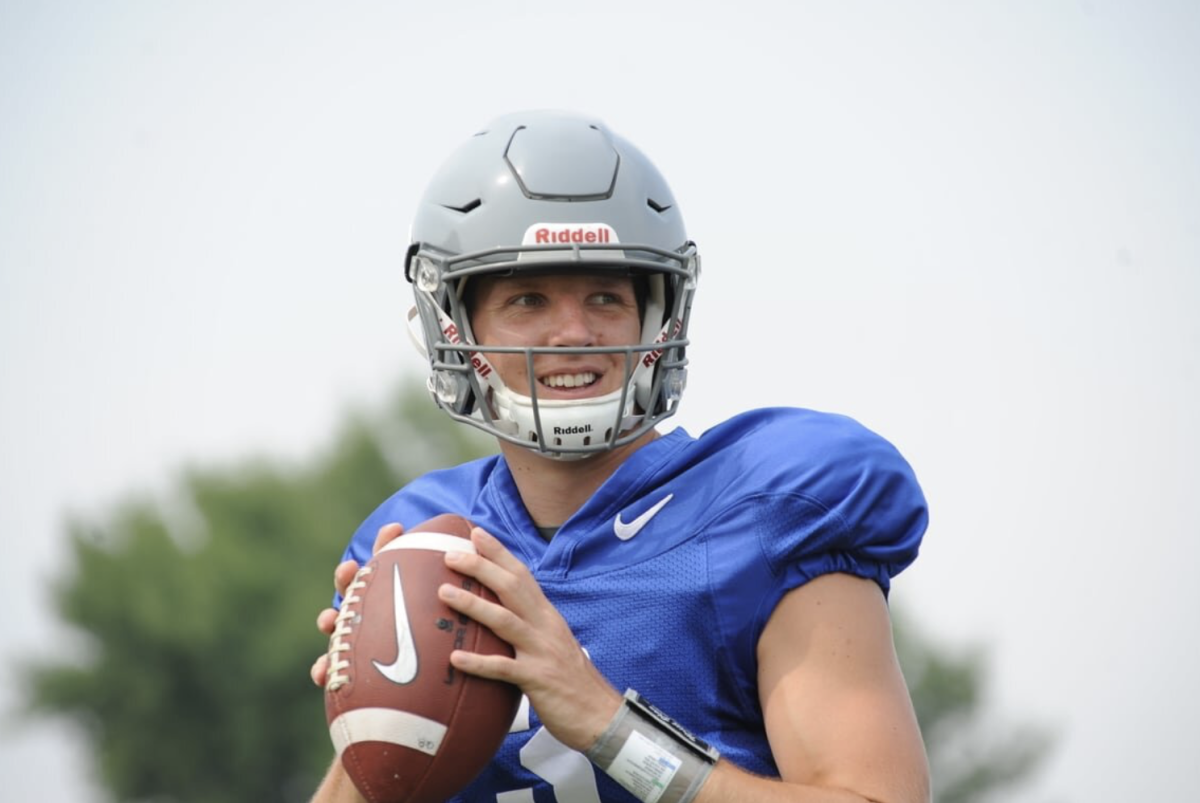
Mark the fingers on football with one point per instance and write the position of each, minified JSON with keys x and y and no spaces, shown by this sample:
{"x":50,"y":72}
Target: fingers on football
{"x":489,"y":546}
{"x":496,"y":667}
{"x":388,"y":532}
{"x":320,"y":670}
{"x":326,"y":620}
{"x":496,"y":617}
{"x":498,"y":569}
{"x":343,"y":574}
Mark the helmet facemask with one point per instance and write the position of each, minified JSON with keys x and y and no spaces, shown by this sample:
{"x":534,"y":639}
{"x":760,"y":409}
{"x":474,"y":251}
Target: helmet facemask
{"x":465,"y":383}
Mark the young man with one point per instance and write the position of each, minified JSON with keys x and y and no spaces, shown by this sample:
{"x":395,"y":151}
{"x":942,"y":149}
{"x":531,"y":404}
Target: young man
{"x":736,"y":580}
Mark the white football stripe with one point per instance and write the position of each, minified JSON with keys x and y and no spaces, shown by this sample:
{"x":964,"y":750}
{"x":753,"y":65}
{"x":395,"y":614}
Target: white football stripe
{"x":438,"y":542}
{"x":386,"y":725}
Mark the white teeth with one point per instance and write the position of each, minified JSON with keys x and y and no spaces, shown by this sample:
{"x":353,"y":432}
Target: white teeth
{"x":569,"y":380}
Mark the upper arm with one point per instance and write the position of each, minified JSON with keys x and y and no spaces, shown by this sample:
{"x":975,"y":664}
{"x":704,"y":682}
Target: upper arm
{"x":837,"y":710}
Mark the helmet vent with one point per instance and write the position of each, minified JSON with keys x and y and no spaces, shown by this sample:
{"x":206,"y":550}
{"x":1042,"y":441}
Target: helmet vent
{"x":656,"y":206}
{"x":469,"y":206}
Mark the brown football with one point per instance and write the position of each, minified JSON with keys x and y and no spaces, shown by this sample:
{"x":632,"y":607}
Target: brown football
{"x":410,"y":728}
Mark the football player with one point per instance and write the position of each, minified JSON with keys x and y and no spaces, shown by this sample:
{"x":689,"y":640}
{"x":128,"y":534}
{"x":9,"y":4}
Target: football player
{"x":694,"y":618}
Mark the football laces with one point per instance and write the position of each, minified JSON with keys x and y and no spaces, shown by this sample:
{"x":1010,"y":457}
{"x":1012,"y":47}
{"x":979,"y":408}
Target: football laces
{"x":337,"y":674}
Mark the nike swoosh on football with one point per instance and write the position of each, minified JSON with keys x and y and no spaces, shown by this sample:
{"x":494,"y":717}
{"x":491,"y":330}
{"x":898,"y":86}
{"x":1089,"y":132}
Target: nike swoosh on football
{"x":626,"y":531}
{"x":404,"y":669}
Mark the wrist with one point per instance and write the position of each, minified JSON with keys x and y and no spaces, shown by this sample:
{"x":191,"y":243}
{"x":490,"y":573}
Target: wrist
{"x":651,"y":755}
{"x":599,"y":723}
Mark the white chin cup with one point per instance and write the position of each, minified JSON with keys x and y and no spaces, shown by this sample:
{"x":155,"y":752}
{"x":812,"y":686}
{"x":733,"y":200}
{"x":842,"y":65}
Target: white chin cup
{"x":566,"y":423}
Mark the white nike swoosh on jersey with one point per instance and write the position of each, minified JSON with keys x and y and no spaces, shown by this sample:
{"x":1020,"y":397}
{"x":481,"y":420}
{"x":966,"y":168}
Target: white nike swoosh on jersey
{"x":404,"y":669}
{"x":626,"y":531}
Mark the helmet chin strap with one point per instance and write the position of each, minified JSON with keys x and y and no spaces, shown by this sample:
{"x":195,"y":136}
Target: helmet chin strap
{"x":566,"y":424}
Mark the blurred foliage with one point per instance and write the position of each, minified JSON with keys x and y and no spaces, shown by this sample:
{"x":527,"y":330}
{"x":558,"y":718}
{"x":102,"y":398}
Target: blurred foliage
{"x":199,"y":617}
{"x":199,"y":613}
{"x":973,"y":757}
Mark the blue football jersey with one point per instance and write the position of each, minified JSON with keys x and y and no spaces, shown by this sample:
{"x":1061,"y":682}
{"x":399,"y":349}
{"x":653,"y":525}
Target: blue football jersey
{"x":669,"y":573}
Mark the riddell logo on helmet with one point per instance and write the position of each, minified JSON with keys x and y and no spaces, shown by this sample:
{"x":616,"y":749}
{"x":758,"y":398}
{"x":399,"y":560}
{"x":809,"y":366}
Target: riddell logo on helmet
{"x":481,"y":365}
{"x":569,"y":234}
{"x":652,"y":357}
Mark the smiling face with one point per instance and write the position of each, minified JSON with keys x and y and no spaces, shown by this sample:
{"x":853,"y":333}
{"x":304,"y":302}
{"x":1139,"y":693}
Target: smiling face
{"x":564,"y":311}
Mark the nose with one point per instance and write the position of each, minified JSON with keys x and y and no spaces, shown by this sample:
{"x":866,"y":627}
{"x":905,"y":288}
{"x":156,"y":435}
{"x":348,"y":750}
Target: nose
{"x":571,"y":324}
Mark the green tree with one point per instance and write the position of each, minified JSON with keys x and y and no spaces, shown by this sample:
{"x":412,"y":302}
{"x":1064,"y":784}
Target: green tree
{"x":972,"y":757}
{"x":198,"y":614}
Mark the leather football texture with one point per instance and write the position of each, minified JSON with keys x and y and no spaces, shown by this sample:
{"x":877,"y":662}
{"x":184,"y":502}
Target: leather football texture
{"x":407,"y":726}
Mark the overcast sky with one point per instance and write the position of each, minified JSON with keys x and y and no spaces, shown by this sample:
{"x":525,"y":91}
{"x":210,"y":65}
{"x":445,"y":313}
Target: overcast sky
{"x":974,"y":226}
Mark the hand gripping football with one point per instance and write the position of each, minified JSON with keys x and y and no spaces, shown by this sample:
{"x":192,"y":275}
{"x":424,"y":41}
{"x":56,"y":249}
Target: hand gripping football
{"x":410,"y":728}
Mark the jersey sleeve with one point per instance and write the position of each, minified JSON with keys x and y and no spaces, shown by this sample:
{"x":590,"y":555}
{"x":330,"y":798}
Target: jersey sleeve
{"x":862,"y":512}
{"x":822,"y":494}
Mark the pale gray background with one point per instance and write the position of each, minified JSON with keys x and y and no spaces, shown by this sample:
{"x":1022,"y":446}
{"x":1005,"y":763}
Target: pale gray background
{"x":975,"y":226}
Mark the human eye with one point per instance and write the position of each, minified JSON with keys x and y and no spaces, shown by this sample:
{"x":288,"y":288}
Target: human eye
{"x":610,"y":298}
{"x":526,"y":300}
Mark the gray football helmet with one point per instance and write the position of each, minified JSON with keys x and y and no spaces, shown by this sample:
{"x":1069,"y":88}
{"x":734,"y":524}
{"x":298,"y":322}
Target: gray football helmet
{"x":551,"y":192}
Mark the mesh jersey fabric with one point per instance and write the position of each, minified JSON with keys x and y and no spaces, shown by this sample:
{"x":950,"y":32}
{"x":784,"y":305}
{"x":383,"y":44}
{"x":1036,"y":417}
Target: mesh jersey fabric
{"x":756,"y":507}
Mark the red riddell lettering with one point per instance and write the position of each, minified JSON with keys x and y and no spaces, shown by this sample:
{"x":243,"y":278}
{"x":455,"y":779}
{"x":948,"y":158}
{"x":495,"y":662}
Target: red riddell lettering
{"x":652,"y":356}
{"x":548,"y":236}
{"x":481,"y":367}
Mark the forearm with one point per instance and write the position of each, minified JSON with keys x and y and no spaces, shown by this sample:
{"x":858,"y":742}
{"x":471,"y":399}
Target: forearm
{"x":337,"y":787}
{"x":645,"y":750}
{"x":728,"y":783}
